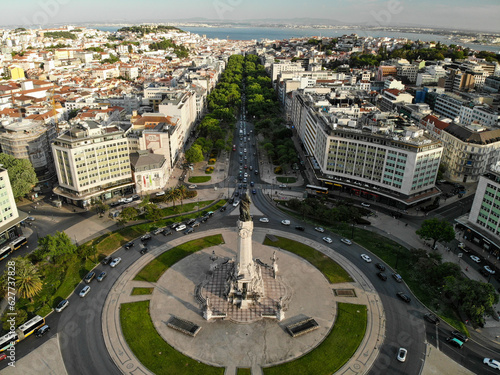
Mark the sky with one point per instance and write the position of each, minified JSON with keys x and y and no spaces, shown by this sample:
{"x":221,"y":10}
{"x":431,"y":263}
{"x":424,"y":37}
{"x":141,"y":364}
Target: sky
{"x":456,"y":14}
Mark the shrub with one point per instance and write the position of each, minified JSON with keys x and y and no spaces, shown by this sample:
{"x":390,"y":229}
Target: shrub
{"x":211,"y":161}
{"x":278,"y":170}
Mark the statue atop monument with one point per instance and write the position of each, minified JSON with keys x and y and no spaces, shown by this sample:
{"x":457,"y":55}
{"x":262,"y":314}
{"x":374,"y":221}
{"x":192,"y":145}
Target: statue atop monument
{"x":245,"y":208}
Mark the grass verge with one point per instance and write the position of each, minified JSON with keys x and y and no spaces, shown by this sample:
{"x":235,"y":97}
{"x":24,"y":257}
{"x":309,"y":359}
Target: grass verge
{"x":243,"y":371}
{"x":141,"y":291}
{"x":331,"y":269}
{"x":150,"y":348}
{"x":199,"y":179}
{"x":154,"y":269}
{"x":335,"y":350}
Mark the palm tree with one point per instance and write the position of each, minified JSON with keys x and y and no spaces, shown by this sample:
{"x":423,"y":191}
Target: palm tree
{"x":28,"y":282}
{"x":182,"y":192}
{"x":170,"y":196}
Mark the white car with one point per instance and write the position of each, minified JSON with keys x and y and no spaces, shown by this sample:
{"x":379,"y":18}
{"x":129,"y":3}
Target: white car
{"x":285,"y":222}
{"x":475,"y":259}
{"x":402,"y":354}
{"x":84,"y":291}
{"x":327,"y":239}
{"x":492,"y":363}
{"x":282,"y":186}
{"x":127,"y":200}
{"x":160,"y":193}
{"x":366,"y":258}
{"x":193,"y":186}
{"x":180,"y":227}
{"x":264,"y":220}
{"x":346,"y":241}
{"x":487,"y":268}
{"x":365,"y":204}
{"x":236,"y":203}
{"x":319,"y":229}
{"x":115,"y":262}
{"x":62,"y":305}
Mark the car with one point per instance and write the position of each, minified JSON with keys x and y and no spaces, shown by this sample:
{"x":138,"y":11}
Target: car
{"x":127,"y":200}
{"x":190,"y":221}
{"x":223,"y":208}
{"x":492,"y":363}
{"x":236,"y":203}
{"x":487,"y":268}
{"x":365,"y":204}
{"x":381,"y":267}
{"x":180,"y":227}
{"x":101,"y":276}
{"x":160,"y":193}
{"x":252,"y":184}
{"x":236,"y":193}
{"x":175,"y":225}
{"x":346,"y":241}
{"x":283,"y":186}
{"x":402,"y":354}
{"x":231,"y":200}
{"x":483,"y":272}
{"x":319,"y":229}
{"x":106,"y":261}
{"x":475,"y":258}
{"x":203,"y":219}
{"x":210,"y":213}
{"x":404,"y":297}
{"x":366,"y":258}
{"x":90,"y":276}
{"x":158,"y":231}
{"x":459,"y":335}
{"x":42,"y":330}
{"x":189,"y":230}
{"x":461,"y":245}
{"x":397,"y":277}
{"x":245,"y":174}
{"x":245,"y":179}
{"x":195,"y":224}
{"x":30,"y":218}
{"x":193,"y":186}
{"x":285,"y":222}
{"x":254,"y":191}
{"x":431,"y":318}
{"x":382,"y":276}
{"x":327,"y":239}
{"x":167,"y":232}
{"x":299,"y":227}
{"x":264,"y":220}
{"x":256,"y":171}
{"x":135,"y":197}
{"x":115,"y":262}
{"x":250,"y":167}
{"x":146,"y":237}
{"x":114,"y":204}
{"x":144,"y":250}
{"x":128,"y":245}
{"x":121,"y":200}
{"x":455,"y":342}
{"x":62,"y":305}
{"x":84,"y":291}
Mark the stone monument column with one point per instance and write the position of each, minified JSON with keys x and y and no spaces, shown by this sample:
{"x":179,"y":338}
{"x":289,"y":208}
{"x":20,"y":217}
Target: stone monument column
{"x":244,"y":259}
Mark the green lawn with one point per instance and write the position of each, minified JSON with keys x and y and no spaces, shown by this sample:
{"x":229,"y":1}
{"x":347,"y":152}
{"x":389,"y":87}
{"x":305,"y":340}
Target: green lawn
{"x":338,"y":347}
{"x":141,"y":291}
{"x":150,"y":348}
{"x":199,"y":179}
{"x":331,"y":269}
{"x":154,"y":269}
{"x":243,"y":371}
{"x":286,"y":180}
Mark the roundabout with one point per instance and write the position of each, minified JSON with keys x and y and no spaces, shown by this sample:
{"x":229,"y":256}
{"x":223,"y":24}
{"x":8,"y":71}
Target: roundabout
{"x":254,"y":344}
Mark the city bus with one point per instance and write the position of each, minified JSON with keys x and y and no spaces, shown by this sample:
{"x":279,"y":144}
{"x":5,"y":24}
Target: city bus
{"x":317,"y":189}
{"x":18,"y":242}
{"x":7,"y":339}
{"x":5,"y":251}
{"x":26,"y":329}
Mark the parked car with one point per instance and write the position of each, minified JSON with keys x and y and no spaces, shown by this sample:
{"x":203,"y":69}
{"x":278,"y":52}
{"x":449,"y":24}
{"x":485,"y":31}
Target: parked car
{"x":397,"y":277}
{"x":189,"y":230}
{"x":101,"y":276}
{"x":195,"y":224}
{"x":175,"y":225}
{"x":62,"y":305}
{"x":158,"y":231}
{"x":167,"y":232}
{"x":42,"y":330}
{"x":404,"y":297}
{"x":135,"y":197}
{"x":346,"y":241}
{"x":84,"y":291}
{"x":327,"y":239}
{"x":106,"y":260}
{"x":223,"y":208}
{"x":180,"y":227}
{"x":489,"y":270}
{"x":475,"y":258}
{"x":160,"y":193}
{"x":365,"y":204}
{"x":146,"y":237}
{"x":319,"y":229}
{"x":115,"y":262}
{"x":431,"y":318}
{"x":381,"y":267}
{"x":402,"y":352}
{"x":382,"y":276}
{"x":193,"y":186}
{"x":90,"y":276}
{"x":128,"y":245}
{"x":144,"y":250}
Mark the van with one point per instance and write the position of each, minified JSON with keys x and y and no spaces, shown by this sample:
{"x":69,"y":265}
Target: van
{"x":455,"y":342}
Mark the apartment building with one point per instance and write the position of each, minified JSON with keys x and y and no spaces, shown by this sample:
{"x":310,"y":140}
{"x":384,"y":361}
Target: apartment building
{"x":391,"y":98}
{"x":10,"y":217}
{"x":482,"y":115}
{"x":449,"y":105}
{"x":378,"y":157}
{"x":92,"y":163}
{"x":284,"y":66}
{"x":150,"y":171}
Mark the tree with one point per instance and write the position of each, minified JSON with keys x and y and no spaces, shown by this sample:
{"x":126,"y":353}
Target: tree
{"x":20,"y":316}
{"x":128,"y":214}
{"x":57,"y":247}
{"x":28,"y":282}
{"x":194,"y":154}
{"x":22,"y":176}
{"x":436,"y":230}
{"x":153,"y":212}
